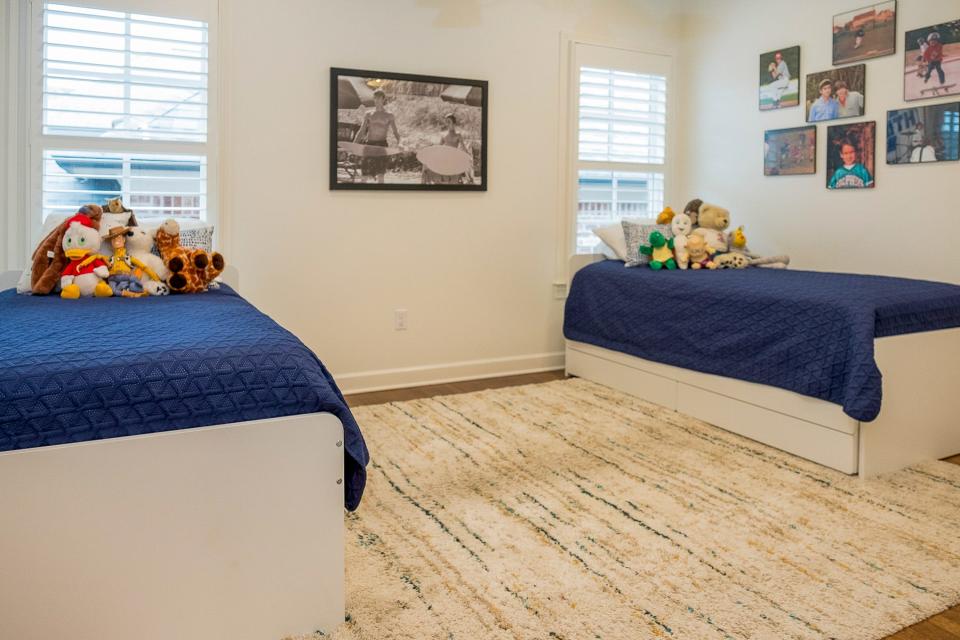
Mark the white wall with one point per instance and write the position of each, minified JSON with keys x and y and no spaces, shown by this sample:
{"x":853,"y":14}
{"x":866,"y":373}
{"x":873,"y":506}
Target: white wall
{"x":899,"y":228}
{"x":473,"y":269}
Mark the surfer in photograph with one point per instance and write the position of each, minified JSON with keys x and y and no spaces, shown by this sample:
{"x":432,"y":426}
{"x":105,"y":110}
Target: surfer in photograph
{"x":450,"y":138}
{"x":374,"y":130}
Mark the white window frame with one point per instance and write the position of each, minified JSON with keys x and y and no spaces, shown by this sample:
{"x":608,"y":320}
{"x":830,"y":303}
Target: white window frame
{"x":204,"y":10}
{"x":576,"y":54}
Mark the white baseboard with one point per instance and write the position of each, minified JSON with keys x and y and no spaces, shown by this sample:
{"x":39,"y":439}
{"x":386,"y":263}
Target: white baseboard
{"x":365,"y":381}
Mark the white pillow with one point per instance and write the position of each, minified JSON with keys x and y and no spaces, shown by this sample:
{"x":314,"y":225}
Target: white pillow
{"x":614,"y":242}
{"x":51,"y":223}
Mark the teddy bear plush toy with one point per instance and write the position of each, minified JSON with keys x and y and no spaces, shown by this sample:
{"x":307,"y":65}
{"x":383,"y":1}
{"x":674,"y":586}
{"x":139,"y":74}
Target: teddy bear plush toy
{"x":713,"y":222}
{"x":191,"y":270}
{"x":660,"y":251}
{"x":139,"y":246}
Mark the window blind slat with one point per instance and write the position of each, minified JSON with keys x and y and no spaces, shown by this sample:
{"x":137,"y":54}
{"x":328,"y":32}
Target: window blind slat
{"x":622,"y":116}
{"x":157,"y":89}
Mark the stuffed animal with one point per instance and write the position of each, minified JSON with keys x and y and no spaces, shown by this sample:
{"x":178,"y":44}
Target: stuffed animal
{"x":738,"y":240}
{"x":682,"y":226}
{"x":699,"y":253}
{"x":660,"y":251}
{"x":139,"y":245}
{"x":114,"y":215}
{"x":713,"y":222}
{"x":127,"y":272}
{"x":666,"y":216}
{"x":82,"y":276}
{"x":49,"y":259}
{"x":192,"y":270}
{"x":732,"y":260}
{"x":693,"y":210}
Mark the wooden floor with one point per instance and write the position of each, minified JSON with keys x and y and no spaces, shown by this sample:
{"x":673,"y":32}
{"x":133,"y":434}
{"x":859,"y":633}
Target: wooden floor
{"x":945,"y":626}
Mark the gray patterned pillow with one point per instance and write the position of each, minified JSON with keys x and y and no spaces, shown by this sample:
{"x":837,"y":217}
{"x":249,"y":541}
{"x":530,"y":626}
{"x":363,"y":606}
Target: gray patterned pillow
{"x":639,"y":234}
{"x":193,"y":238}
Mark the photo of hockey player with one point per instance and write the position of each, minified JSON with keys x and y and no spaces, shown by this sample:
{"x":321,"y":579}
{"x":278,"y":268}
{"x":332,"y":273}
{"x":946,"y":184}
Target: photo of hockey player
{"x":780,"y":79}
{"x":851,"y":156}
{"x":924,"y":134}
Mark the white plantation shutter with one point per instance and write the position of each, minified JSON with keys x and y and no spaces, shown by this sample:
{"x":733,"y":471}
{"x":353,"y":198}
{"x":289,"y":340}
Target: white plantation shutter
{"x":621,"y":137}
{"x":623,"y":116}
{"x":123,"y":111}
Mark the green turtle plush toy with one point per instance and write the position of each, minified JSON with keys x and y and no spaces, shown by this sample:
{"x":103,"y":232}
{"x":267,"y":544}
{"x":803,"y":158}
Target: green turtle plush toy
{"x":660,"y":251}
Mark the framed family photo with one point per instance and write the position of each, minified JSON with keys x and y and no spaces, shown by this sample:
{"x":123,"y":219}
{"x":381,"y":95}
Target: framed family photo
{"x":868,"y":32}
{"x":851,"y":156}
{"x":923,"y":134}
{"x":398,"y":131}
{"x":790,"y":152}
{"x":931,"y":66}
{"x":780,"y":79}
{"x":837,"y":93}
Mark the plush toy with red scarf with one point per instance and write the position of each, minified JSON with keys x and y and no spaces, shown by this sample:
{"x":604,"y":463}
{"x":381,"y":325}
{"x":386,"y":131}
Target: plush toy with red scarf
{"x":80,"y":239}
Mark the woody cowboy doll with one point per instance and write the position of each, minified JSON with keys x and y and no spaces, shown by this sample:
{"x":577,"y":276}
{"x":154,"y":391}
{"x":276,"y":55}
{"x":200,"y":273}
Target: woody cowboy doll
{"x":125,"y":270}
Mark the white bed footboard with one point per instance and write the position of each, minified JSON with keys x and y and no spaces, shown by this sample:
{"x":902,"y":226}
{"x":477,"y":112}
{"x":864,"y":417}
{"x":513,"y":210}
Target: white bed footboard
{"x":227,"y":532}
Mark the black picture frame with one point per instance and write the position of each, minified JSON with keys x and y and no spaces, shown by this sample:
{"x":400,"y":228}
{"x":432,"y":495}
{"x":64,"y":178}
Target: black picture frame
{"x":347,"y":169}
{"x":889,"y":29}
{"x":810,"y":150}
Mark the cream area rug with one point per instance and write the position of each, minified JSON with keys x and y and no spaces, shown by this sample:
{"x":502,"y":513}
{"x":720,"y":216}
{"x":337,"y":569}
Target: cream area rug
{"x":568,"y":510}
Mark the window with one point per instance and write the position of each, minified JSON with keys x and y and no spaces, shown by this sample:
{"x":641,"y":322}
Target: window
{"x":123,"y":112}
{"x":620,"y":159}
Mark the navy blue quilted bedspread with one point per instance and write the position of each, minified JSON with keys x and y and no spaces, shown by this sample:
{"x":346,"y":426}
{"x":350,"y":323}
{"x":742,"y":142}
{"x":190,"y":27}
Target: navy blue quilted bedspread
{"x":805,"y":331}
{"x":72,"y":371}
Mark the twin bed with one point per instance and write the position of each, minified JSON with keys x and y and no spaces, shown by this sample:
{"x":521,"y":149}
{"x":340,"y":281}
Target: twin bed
{"x":178,"y":467}
{"x":169,"y":468}
{"x":858,"y":373}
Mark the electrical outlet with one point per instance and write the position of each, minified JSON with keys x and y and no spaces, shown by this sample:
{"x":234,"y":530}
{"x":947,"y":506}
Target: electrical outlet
{"x":559,"y":290}
{"x":400,"y":319}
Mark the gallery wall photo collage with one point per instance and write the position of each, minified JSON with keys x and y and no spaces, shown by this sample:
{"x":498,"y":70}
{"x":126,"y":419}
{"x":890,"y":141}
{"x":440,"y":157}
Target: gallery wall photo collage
{"x":915,"y":133}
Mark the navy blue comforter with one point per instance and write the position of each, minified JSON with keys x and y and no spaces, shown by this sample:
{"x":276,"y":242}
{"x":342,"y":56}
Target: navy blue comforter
{"x":88,"y":369}
{"x":805,"y":331}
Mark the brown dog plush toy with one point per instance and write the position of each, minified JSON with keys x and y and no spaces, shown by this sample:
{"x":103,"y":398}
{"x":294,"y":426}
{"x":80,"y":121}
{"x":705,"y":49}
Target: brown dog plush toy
{"x":49,"y":259}
{"x":191,"y":270}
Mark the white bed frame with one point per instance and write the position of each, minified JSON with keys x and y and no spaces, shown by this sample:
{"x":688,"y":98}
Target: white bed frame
{"x":919,"y":419}
{"x":230,"y":532}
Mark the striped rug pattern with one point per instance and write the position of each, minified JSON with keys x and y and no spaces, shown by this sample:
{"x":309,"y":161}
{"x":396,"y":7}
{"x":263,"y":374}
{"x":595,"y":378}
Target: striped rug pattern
{"x":567,"y":510}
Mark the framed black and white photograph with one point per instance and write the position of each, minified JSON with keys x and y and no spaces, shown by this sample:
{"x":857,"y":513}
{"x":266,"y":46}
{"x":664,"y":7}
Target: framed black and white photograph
{"x":790,"y":152}
{"x":864,"y":33}
{"x":397,"y":131}
{"x":924,"y":134}
{"x":780,"y":78}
